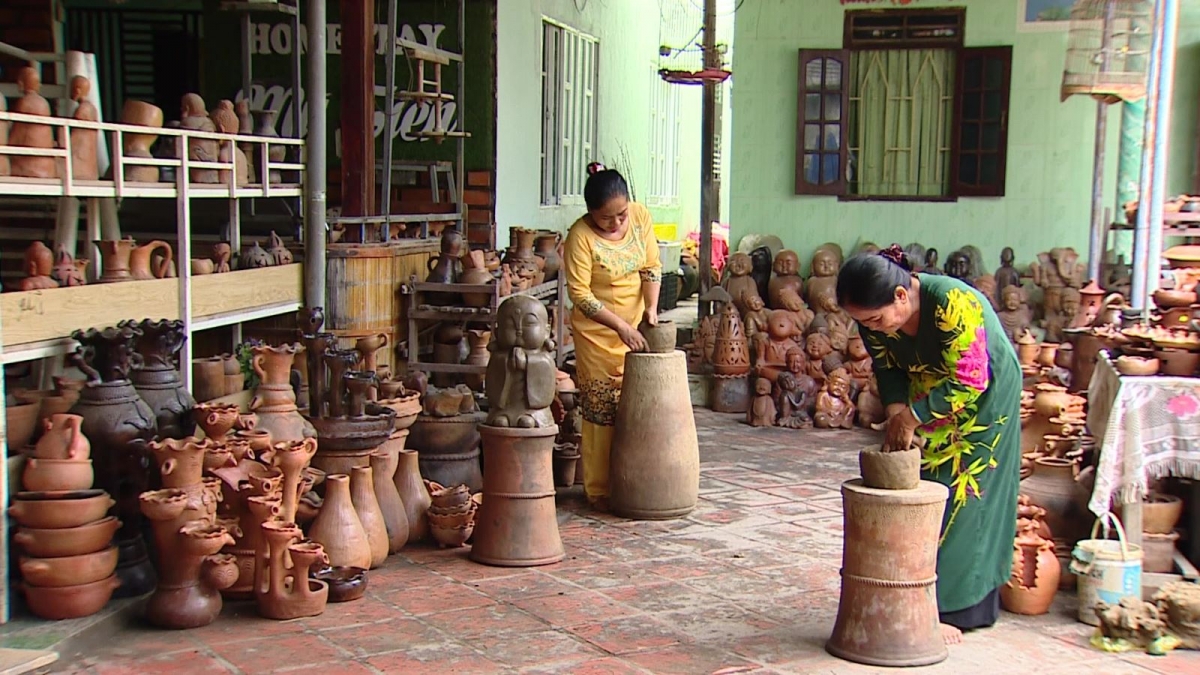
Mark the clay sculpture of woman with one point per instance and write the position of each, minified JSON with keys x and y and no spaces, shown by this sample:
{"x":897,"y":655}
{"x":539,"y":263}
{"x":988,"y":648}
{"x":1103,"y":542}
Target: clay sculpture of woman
{"x":802,"y":316}
{"x":794,"y":393}
{"x":84,"y":165}
{"x":787,"y":275}
{"x":762,"y":408}
{"x":835,"y":409}
{"x":1014,"y":314}
{"x":28,"y":135}
{"x":193,"y":116}
{"x":825,"y":264}
{"x":756,"y":321}
{"x":739,"y":284}
{"x":521,"y":372}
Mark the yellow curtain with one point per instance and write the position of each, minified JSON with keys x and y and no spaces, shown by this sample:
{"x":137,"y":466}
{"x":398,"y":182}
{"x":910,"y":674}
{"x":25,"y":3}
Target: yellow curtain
{"x":901,"y":109}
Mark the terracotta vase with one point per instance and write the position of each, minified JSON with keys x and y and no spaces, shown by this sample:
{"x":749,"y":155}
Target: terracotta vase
{"x":546,"y":248}
{"x":521,"y":239}
{"x":151,"y":261}
{"x":114,"y":260}
{"x":384,"y":463}
{"x":1027,"y":349}
{"x":157,"y":378}
{"x":413,"y":494}
{"x":275,"y":401}
{"x":477,"y":355}
{"x":1046,"y":354}
{"x":362,"y":495}
{"x":1052,"y":486}
{"x":140,"y":113}
{"x":338,"y":529}
{"x":284,"y":591}
{"x":1035,"y":575}
{"x":117,"y":423}
{"x":62,"y":438}
{"x":475,"y":271}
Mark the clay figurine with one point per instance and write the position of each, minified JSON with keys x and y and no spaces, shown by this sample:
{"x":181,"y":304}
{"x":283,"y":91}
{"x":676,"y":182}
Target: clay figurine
{"x":1014,"y":314}
{"x":837,"y":321}
{"x":802,"y":316}
{"x":772,"y":350}
{"x":1058,"y":268}
{"x":787,"y":275}
{"x":84,"y":165}
{"x":871,"y":414}
{"x":795,"y":393}
{"x":28,"y":135}
{"x":140,"y":113}
{"x":226,"y":122}
{"x":278,"y":252}
{"x":931,"y":262}
{"x":193,"y":116}
{"x":761,"y":259}
{"x":1061,"y":313}
{"x":68,"y":271}
{"x":858,"y":365}
{"x":756,"y":321}
{"x":521,"y":372}
{"x":958,"y":266}
{"x":253,"y":257}
{"x":39,"y":262}
{"x":762,"y":408}
{"x":975,"y":256}
{"x":825,"y":265}
{"x":1007,"y":275}
{"x":221,"y":254}
{"x":834,"y":408}
{"x":817,"y":347}
{"x":246,"y":128}
{"x":739,"y":284}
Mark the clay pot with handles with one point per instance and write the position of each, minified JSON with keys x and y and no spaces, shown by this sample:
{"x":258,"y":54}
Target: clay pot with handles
{"x":62,"y":438}
{"x":152,"y":261}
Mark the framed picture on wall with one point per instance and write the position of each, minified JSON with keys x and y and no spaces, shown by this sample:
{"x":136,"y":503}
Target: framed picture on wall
{"x":1044,"y":15}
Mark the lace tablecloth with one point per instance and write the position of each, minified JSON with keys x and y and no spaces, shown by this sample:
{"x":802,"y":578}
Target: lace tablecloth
{"x":1146,"y":428}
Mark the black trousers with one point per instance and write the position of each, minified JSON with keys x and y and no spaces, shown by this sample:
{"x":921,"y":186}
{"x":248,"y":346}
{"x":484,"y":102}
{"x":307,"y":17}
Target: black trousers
{"x":981,"y":615}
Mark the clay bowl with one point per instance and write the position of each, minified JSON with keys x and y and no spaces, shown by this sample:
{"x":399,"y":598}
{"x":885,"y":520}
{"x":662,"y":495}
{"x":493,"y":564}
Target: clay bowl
{"x":454,"y":520}
{"x":1181,"y":257}
{"x":69,"y":571}
{"x":1177,"y":362}
{"x":345,"y":583}
{"x":59,"y":543}
{"x":449,"y":497}
{"x":53,"y":511}
{"x":1166,"y":298}
{"x":21,"y":423}
{"x":890,"y":470}
{"x":660,"y":338}
{"x":1160,"y":513}
{"x":43,"y":475}
{"x":70,"y":602}
{"x":452,"y":511}
{"x":1136,"y":365}
{"x":451,"y":537}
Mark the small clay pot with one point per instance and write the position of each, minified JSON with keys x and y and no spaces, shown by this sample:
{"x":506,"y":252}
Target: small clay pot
{"x":1177,"y":362}
{"x":1158,"y":552}
{"x":59,"y":543}
{"x":70,"y":602}
{"x":899,"y":470}
{"x":21,"y":423}
{"x":660,"y":338}
{"x":1160,"y":513}
{"x":54,"y":511}
{"x":202,"y":266}
{"x":451,"y":537}
{"x":50,"y":475}
{"x":69,"y":571}
{"x":453,"y":521}
{"x":345,"y":583}
{"x":1136,"y":366}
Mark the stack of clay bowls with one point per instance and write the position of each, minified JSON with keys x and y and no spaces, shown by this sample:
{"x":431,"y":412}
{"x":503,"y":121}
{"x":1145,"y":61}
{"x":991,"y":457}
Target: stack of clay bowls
{"x":452,"y":514}
{"x":65,"y":532}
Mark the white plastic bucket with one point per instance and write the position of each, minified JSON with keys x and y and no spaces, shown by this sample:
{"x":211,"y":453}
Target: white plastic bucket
{"x":1108,"y":570}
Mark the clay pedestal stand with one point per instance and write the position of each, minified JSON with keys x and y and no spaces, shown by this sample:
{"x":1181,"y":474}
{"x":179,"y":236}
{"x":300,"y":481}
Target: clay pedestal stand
{"x":887,"y":614}
{"x":516,"y":525}
{"x":729,"y":393}
{"x":654,"y":468}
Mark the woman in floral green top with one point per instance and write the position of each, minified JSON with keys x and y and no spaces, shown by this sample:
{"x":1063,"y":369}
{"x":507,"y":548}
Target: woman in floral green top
{"x":947,"y":372}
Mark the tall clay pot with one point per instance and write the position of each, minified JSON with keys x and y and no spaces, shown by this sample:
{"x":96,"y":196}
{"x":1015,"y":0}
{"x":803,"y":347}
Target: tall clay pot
{"x":413,"y":494}
{"x":114,"y":260}
{"x":522,"y":240}
{"x":477,"y":355}
{"x":337,"y":527}
{"x":362,"y":495}
{"x":1035,"y":574}
{"x":546,"y":248}
{"x":384,"y":463}
{"x":275,"y":400}
{"x":118,"y":423}
{"x":1052,"y":486}
{"x":157,"y":379}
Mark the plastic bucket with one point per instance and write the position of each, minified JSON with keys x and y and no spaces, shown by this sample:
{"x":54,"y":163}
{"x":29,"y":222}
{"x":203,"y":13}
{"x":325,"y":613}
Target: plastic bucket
{"x":1108,"y":570}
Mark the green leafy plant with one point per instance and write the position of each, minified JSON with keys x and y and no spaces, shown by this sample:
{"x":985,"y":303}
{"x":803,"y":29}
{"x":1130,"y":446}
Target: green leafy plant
{"x":245,"y":357}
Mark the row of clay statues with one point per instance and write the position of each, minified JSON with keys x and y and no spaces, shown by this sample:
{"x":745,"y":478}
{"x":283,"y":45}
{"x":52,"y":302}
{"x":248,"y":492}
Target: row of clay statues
{"x":227,"y":118}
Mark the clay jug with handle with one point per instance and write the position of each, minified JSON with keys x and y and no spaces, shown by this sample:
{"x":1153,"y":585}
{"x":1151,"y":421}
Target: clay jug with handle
{"x":151,"y":261}
{"x":62,"y":438}
{"x":362,"y":496}
{"x":337,"y":527}
{"x":383,"y":473}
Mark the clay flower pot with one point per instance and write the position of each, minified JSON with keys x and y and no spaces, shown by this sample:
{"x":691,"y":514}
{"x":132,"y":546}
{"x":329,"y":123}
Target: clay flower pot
{"x":1160,"y":513}
{"x":1035,"y":575}
{"x":70,"y":602}
{"x":59,"y":543}
{"x":54,"y":511}
{"x":50,"y":475}
{"x":345,"y":583}
{"x":660,"y":338}
{"x":70,"y":570}
{"x":1137,"y":365}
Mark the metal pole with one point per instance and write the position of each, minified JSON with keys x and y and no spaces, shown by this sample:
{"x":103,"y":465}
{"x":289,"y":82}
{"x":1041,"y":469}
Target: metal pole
{"x":708,"y":133}
{"x":1141,"y":231}
{"x":389,"y":111}
{"x":1162,"y":139}
{"x":1095,"y":241}
{"x":316,"y":145}
{"x":460,"y":170}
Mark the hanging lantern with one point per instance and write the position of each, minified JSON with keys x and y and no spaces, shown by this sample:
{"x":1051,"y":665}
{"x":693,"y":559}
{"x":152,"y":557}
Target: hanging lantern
{"x":1108,"y":49}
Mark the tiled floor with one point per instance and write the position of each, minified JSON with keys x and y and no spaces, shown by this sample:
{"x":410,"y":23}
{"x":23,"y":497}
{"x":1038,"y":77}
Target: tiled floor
{"x":746,"y":583}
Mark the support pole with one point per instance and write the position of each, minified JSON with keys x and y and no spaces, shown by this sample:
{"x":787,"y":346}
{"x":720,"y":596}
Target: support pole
{"x":316,"y":146}
{"x":389,"y":116}
{"x":358,"y":108}
{"x":708,"y":134}
{"x":1095,"y":241}
{"x":1141,"y":231}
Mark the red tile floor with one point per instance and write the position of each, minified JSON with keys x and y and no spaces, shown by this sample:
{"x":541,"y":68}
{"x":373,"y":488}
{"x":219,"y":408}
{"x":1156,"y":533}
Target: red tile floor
{"x":747,"y":583}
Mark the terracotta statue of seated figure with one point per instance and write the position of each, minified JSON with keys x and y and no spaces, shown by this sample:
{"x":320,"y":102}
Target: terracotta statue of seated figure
{"x":1014,"y":314}
{"x":762,"y":408}
{"x":801,"y":314}
{"x":825,"y":265}
{"x":838,"y":322}
{"x":739,"y":284}
{"x":835,"y":410}
{"x":795,"y":392}
{"x":818,"y":348}
{"x":787,"y":276}
{"x":756,"y":321}
{"x":858,"y":365}
{"x":772,"y":351}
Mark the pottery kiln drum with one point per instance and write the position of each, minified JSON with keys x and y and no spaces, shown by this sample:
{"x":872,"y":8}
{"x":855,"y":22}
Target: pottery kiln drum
{"x":887,"y":614}
{"x":654,"y":470}
{"x":363,"y":298}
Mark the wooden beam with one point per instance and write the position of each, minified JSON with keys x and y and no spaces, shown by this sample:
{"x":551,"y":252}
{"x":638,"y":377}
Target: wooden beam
{"x":358,"y":107}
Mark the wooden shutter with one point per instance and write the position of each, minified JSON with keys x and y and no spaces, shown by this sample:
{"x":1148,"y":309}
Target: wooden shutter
{"x":821,"y":122}
{"x":980,"y":144}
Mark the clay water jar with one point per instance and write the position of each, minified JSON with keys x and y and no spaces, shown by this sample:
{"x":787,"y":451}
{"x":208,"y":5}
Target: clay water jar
{"x":660,"y":338}
{"x":62,"y":542}
{"x":70,"y":570}
{"x":51,"y":475}
{"x":62,"y":439}
{"x":70,"y":602}
{"x":1160,"y":513}
{"x":1053,"y":487}
{"x":345,"y":583}
{"x":53,"y":511}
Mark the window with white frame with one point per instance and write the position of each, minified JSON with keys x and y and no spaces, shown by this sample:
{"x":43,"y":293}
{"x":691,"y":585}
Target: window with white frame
{"x":569,"y":69}
{"x":664,"y":140}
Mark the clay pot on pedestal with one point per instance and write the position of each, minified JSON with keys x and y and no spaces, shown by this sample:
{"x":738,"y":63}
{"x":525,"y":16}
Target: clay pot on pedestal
{"x":157,"y":378}
{"x":384,"y":463}
{"x":413,"y":494}
{"x":1035,"y":574}
{"x":337,"y":527}
{"x":546,"y":247}
{"x":117,"y":423}
{"x":275,"y":401}
{"x":362,"y":496}
{"x":114,"y":260}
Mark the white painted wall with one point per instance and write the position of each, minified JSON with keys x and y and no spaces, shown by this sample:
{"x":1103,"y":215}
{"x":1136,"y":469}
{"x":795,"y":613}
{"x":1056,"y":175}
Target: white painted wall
{"x":629,"y":34}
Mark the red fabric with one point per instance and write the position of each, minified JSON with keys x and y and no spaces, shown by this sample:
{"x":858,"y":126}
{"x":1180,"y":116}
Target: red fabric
{"x":720,"y":246}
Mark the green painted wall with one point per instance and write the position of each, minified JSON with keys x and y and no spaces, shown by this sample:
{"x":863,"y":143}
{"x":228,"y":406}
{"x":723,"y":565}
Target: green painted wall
{"x":1048,"y":200}
{"x":424,"y":21}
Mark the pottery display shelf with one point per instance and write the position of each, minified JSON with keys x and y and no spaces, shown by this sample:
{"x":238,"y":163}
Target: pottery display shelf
{"x":551,"y":293}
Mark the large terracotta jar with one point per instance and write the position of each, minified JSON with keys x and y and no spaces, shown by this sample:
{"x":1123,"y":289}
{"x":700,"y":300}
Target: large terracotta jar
{"x":1035,"y":573}
{"x":275,"y":401}
{"x":384,"y":463}
{"x":546,"y":248}
{"x":337,"y":527}
{"x":118,"y":423}
{"x":731,"y":355}
{"x":413,"y":494}
{"x":362,"y":495}
{"x":1053,"y":487}
{"x":157,"y":378}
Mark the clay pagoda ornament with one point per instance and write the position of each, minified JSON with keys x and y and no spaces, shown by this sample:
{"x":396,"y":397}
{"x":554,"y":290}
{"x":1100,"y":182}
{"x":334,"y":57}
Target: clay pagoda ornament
{"x":731,"y":353}
{"x":27,"y":135}
{"x":516,"y":526}
{"x":787,"y":276}
{"x":157,"y":377}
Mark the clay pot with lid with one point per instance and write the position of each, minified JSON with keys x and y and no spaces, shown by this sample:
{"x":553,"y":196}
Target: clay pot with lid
{"x":57,"y":510}
{"x":70,"y":602}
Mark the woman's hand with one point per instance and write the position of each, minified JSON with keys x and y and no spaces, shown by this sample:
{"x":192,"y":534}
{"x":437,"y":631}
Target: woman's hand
{"x":901,"y":425}
{"x":632,"y":339}
{"x":651,"y":316}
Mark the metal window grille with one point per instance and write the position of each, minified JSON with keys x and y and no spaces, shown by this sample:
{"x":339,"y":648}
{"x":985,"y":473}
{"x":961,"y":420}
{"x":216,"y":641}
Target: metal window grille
{"x":569,"y":79}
